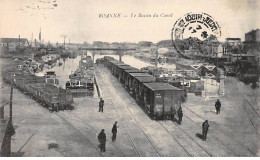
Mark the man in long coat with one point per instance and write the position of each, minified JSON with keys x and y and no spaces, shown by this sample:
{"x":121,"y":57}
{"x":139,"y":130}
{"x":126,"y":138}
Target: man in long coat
{"x":217,"y":106}
{"x":101,"y":105}
{"x":114,"y":131}
{"x":205,"y":128}
{"x":102,"y":140}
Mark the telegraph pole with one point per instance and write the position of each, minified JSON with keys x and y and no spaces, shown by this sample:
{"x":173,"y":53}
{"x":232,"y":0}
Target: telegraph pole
{"x":11,"y":104}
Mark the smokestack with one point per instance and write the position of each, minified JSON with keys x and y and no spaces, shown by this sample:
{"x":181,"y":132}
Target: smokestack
{"x":40,"y":36}
{"x":19,"y":41}
{"x":64,"y":43}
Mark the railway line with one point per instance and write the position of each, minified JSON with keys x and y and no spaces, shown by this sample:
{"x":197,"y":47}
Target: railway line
{"x":253,"y":116}
{"x":185,"y":149}
{"x":215,"y":136}
{"x":188,"y":136}
{"x":98,"y":132}
{"x":139,"y":127}
{"x":87,"y":138}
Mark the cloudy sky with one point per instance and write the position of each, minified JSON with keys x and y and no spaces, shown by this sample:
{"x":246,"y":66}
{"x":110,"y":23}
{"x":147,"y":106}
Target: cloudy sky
{"x":79,"y":19}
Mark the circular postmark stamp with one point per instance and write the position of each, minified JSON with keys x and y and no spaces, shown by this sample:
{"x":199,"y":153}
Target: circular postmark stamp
{"x":199,"y":25}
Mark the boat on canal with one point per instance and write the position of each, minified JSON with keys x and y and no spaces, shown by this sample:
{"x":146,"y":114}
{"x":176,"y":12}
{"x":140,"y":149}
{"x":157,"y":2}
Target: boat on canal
{"x":82,"y":79}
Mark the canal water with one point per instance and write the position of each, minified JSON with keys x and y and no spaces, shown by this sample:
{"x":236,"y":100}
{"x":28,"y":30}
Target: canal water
{"x":70,"y":64}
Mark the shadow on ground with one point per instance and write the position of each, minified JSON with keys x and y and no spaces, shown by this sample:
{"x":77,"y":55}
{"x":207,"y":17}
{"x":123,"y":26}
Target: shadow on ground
{"x":200,"y":136}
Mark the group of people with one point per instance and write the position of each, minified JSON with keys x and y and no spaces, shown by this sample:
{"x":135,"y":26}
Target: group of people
{"x":102,"y":136}
{"x":205,"y":125}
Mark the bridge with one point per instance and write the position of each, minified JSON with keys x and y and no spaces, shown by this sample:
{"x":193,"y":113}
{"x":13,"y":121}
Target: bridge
{"x":118,"y":50}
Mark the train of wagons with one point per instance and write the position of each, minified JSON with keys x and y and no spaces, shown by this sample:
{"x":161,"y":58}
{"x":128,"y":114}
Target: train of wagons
{"x":50,"y":96}
{"x":158,"y":99}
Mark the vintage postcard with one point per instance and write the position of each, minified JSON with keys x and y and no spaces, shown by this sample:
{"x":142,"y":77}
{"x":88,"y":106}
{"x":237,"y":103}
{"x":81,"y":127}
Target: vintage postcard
{"x":129,"y":78}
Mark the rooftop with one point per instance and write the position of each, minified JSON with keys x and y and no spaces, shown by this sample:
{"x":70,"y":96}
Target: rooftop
{"x":10,"y":40}
{"x":157,"y":86}
{"x":146,"y":79}
{"x":134,"y":71}
{"x":140,"y":75}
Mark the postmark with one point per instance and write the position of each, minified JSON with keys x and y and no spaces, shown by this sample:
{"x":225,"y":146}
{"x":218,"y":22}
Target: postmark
{"x":199,"y":25}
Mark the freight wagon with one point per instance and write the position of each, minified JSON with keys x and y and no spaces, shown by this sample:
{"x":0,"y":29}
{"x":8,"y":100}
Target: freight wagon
{"x":158,"y":100}
{"x":130,"y":78}
{"x":120,"y":71}
{"x":138,"y":90}
{"x":161,"y":100}
{"x":120,"y":67}
{"x":113,"y":65}
{"x":126,"y":72}
{"x":50,"y":96}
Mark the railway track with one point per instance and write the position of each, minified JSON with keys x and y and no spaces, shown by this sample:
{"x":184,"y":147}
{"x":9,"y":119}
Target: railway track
{"x":98,"y":132}
{"x":216,"y":137}
{"x":239,"y":87}
{"x":87,"y":138}
{"x":186,"y":135}
{"x":128,"y":135}
{"x":139,"y":127}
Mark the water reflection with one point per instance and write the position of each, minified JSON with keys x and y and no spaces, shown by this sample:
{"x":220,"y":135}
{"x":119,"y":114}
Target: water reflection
{"x":63,"y":71}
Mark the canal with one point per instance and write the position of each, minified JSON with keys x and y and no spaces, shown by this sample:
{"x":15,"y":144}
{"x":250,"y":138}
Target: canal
{"x":70,"y":64}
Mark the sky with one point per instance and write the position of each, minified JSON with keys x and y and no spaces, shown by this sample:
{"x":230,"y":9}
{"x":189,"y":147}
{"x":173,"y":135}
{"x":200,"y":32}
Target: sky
{"x":79,"y":20}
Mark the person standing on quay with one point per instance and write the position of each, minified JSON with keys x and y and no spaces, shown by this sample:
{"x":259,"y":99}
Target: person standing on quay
{"x":205,"y":128}
{"x":114,"y":131}
{"x":102,"y":140}
{"x":180,"y":115}
{"x":217,"y":106}
{"x":101,"y":105}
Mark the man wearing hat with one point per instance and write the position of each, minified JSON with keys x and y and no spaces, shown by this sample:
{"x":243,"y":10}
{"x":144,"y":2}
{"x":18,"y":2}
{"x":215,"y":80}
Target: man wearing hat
{"x":102,"y":140}
{"x":205,"y":128}
{"x":114,"y":131}
{"x":101,"y":105}
{"x":217,"y":106}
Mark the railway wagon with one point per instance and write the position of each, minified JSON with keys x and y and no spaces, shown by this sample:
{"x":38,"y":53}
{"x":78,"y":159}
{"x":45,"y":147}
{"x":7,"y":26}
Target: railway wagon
{"x":8,"y":76}
{"x":108,"y":62}
{"x":21,"y":81}
{"x":56,"y":98}
{"x":113,"y":66}
{"x":121,"y":69}
{"x":138,"y":91}
{"x":130,"y":78}
{"x":126,"y":72}
{"x":161,"y":100}
{"x":34,"y":90}
{"x":119,"y":66}
{"x":107,"y":59}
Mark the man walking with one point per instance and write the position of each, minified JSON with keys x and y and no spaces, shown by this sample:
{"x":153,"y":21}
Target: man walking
{"x":114,"y":131}
{"x":205,"y":128}
{"x":217,"y":106}
{"x":180,"y":115}
{"x":102,"y":140}
{"x":101,"y":105}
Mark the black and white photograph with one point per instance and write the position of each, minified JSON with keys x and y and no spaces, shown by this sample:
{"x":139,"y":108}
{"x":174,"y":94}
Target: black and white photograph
{"x":129,"y":78}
